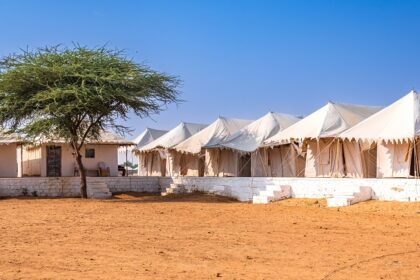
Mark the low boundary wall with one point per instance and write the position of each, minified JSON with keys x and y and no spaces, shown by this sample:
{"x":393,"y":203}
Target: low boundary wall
{"x":239,"y":188}
{"x":244,"y":188}
{"x":70,"y":186}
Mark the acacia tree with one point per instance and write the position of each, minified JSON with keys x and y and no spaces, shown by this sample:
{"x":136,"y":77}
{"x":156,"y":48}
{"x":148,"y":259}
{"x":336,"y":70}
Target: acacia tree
{"x":77,"y":93}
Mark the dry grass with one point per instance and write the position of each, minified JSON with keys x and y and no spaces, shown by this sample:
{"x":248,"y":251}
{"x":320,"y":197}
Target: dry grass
{"x":205,"y":237}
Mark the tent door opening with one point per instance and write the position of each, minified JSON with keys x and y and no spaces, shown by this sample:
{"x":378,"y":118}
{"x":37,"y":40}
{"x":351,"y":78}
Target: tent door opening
{"x":53,"y":161}
{"x":201,"y":166}
{"x":245,"y":165}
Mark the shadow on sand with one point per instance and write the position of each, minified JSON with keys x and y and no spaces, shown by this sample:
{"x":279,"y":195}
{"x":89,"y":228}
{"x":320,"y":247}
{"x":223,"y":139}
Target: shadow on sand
{"x":132,"y":197}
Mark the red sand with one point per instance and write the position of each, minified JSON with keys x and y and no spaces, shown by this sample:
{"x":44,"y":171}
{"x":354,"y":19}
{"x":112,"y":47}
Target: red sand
{"x":206,"y":237}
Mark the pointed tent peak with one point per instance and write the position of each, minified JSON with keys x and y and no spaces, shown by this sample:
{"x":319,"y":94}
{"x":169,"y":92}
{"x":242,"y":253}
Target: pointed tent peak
{"x":328,"y":121}
{"x":176,"y":135}
{"x":148,"y":135}
{"x":192,"y":128}
{"x":250,"y":137}
{"x":155,"y":131}
{"x":354,"y":113}
{"x":212,"y":135}
{"x":396,"y":122}
{"x":231,"y":124}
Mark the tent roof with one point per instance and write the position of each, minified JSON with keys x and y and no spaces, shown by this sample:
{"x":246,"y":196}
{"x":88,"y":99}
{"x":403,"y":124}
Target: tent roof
{"x":148,"y":135}
{"x":249,"y":138}
{"x":174,"y":136}
{"x":397,"y":122}
{"x":328,"y":121}
{"x":211,"y":135}
{"x":144,"y":138}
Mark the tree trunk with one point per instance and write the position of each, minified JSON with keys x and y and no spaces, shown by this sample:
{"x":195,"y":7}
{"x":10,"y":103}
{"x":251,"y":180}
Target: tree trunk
{"x":82,"y":174}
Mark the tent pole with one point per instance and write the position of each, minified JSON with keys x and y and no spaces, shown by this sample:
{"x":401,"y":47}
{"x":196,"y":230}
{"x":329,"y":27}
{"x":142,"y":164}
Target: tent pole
{"x":126,"y":159}
{"x":415,"y":158}
{"x":21,"y":160}
{"x":318,"y":147}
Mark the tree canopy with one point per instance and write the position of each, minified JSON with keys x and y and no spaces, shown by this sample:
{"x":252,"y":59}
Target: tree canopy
{"x":76,"y":93}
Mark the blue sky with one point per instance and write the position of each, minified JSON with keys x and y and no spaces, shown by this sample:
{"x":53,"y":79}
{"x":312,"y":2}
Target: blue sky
{"x":240,"y":58}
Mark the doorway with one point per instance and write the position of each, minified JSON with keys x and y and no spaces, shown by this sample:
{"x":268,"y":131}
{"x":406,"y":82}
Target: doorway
{"x":245,"y":165}
{"x":53,"y":161}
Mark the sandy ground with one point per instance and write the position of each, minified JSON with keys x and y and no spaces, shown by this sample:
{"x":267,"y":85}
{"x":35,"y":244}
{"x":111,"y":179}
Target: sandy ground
{"x":206,"y":237}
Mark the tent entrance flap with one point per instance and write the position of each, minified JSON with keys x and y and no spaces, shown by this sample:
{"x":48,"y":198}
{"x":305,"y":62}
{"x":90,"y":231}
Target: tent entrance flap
{"x":324,"y":158}
{"x":359,"y":160}
{"x":245,"y":165}
{"x":394,"y":159}
{"x":280,"y":161}
{"x":222,"y":163}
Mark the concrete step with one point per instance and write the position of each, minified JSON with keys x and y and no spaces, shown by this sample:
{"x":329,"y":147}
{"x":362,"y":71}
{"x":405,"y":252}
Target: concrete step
{"x":174,"y":189}
{"x":257,"y":199}
{"x":272,"y":193}
{"x":340,"y":200}
{"x":98,"y":190}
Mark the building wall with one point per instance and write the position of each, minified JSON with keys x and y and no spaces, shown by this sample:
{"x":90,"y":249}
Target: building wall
{"x":8,"y":161}
{"x":34,"y":160}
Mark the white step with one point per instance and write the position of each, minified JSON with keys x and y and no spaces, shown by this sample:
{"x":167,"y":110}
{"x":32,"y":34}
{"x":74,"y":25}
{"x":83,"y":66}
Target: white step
{"x":272,"y":193}
{"x":256,"y":199}
{"x":174,"y":189}
{"x":98,"y":190}
{"x":339,"y":200}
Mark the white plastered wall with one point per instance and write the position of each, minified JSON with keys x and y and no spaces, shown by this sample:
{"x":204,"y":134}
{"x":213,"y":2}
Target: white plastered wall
{"x":8,"y":160}
{"x":34,"y":160}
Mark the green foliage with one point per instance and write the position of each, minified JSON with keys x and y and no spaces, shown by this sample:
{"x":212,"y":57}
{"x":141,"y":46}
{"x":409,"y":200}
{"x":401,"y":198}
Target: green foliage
{"x":131,"y":165}
{"x":76,"y":93}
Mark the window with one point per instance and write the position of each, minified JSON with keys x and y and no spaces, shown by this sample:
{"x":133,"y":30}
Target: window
{"x":90,"y":153}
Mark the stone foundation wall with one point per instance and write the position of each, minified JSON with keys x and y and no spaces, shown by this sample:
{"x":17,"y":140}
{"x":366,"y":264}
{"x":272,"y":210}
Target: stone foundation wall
{"x":70,"y":186}
{"x":244,"y":188}
{"x":240,"y":188}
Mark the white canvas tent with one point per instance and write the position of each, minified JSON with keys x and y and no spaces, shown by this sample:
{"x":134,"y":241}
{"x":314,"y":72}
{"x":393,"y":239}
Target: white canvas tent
{"x":155,"y":158}
{"x":254,"y":161}
{"x":395,"y":131}
{"x":147,"y":136}
{"x":211,"y":136}
{"x":317,"y":134}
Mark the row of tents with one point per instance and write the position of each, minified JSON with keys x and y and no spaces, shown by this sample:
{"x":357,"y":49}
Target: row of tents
{"x":338,"y":140}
